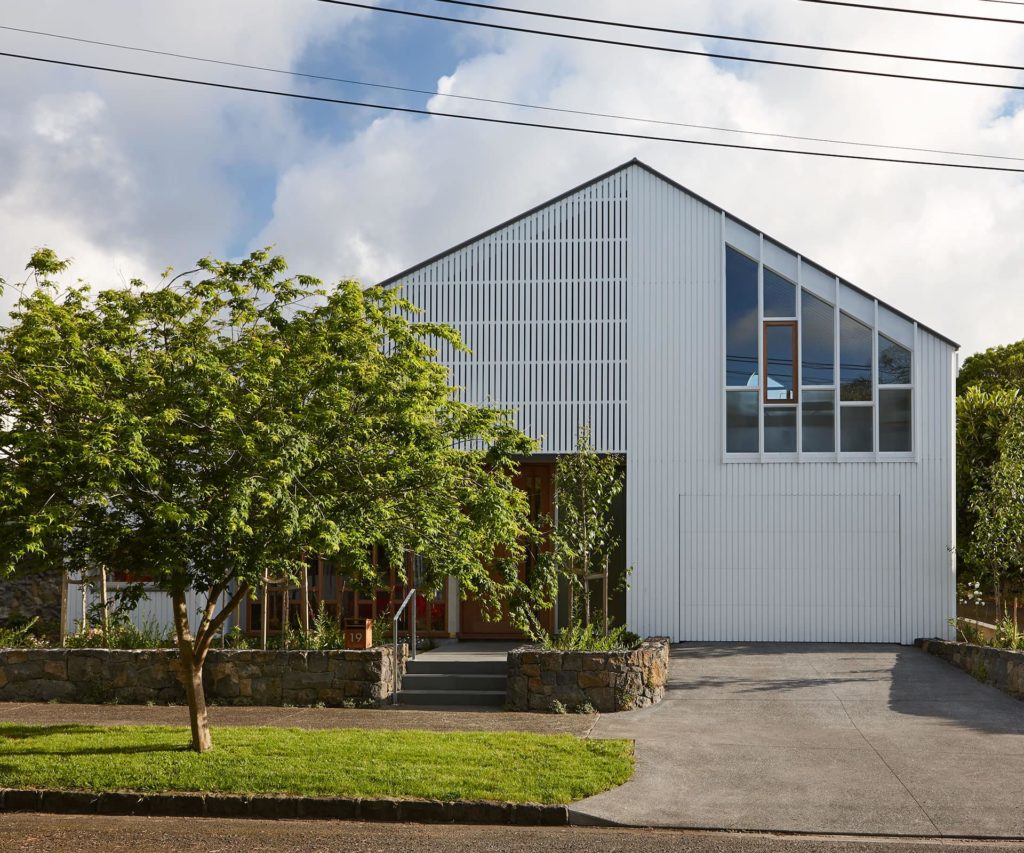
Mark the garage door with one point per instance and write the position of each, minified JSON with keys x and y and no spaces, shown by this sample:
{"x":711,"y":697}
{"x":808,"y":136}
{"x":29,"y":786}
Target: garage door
{"x":796,"y":568}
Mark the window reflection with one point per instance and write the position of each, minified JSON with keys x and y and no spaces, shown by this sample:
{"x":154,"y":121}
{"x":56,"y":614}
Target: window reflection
{"x":893,"y":362}
{"x":854,"y":359}
{"x":818,"y":330}
{"x":741,"y":422}
{"x":780,"y":429}
{"x":819,"y":413}
{"x":740,"y":319}
{"x":894,"y":421}
{"x":779,"y":295}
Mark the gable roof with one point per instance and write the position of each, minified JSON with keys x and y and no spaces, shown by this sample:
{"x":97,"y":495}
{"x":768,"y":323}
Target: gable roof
{"x":661,"y":176}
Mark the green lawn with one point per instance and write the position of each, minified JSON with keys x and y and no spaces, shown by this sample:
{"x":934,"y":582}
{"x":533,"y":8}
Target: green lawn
{"x":340,"y":762}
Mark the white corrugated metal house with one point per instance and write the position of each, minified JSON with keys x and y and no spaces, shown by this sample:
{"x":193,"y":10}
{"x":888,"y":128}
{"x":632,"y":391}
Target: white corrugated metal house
{"x":789,"y":438}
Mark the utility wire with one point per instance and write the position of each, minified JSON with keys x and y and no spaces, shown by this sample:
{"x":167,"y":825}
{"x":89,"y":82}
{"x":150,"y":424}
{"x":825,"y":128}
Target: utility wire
{"x":677,"y":50}
{"x":743,"y":39}
{"x":524,"y":105}
{"x":929,"y":12}
{"x":508,"y":122}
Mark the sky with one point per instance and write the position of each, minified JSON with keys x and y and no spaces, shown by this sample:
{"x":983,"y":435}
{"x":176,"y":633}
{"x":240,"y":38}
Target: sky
{"x":130,"y":176}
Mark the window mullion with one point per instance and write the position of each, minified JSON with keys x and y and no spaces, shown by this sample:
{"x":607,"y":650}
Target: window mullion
{"x":799,"y":367}
{"x":762,"y":378}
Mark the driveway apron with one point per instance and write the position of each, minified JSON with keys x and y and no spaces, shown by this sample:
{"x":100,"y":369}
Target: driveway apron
{"x":820,"y":738}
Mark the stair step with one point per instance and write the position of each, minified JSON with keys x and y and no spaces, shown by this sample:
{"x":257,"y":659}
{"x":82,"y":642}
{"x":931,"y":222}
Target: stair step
{"x":425,"y":666}
{"x":470,"y":698}
{"x":453,"y":681}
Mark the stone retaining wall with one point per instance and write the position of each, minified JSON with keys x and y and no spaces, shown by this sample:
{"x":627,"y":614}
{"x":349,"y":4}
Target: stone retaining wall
{"x":32,"y":594}
{"x":607,"y":681}
{"x":998,"y":667}
{"x":334,"y":678}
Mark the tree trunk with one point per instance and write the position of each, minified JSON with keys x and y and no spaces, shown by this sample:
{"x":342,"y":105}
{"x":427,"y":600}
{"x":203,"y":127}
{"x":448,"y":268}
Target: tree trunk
{"x":192,"y":676}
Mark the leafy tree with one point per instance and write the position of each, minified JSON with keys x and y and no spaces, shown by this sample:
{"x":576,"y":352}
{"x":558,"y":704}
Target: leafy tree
{"x":586,"y":485}
{"x":996,"y":546}
{"x":210,"y":431}
{"x":990,"y":443}
{"x":995,"y":368}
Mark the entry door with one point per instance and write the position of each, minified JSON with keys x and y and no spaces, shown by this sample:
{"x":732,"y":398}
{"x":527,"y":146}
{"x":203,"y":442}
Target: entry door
{"x":796,"y":568}
{"x":537,"y":480}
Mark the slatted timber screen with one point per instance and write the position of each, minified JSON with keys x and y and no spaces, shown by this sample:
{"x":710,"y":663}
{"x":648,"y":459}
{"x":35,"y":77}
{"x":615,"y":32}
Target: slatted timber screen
{"x":542,"y":304}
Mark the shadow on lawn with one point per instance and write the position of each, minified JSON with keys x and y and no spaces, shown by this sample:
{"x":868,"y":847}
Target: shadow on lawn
{"x":28,"y":733}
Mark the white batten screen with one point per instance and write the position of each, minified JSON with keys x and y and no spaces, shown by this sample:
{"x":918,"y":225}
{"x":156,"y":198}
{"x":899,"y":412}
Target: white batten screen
{"x":542,"y":305}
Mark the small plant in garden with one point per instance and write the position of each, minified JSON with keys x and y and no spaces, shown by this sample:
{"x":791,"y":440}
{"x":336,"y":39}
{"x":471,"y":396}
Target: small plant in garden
{"x":967,"y":631}
{"x":22,"y":637}
{"x":584,"y":708}
{"x":589,"y":638}
{"x":557,"y":707}
{"x":121,"y":635}
{"x":1008,"y":634}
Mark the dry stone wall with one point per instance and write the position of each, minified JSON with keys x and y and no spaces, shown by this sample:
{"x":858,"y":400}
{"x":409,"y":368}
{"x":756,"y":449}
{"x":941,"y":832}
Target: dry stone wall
{"x":607,"y":681}
{"x":35,"y":594}
{"x":998,"y":667}
{"x":333,"y":678}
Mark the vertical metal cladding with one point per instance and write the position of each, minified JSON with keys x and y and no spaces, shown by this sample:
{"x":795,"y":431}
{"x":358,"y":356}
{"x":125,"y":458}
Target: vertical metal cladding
{"x":541,"y":303}
{"x":843,"y":551}
{"x":801,"y":550}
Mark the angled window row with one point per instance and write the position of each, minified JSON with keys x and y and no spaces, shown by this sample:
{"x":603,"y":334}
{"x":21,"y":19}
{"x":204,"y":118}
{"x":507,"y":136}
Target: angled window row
{"x":793,"y":360}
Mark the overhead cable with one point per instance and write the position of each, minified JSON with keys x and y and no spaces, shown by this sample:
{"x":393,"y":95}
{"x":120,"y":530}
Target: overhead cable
{"x":744,"y":39}
{"x":508,"y":122}
{"x":498,"y":101}
{"x":676,"y":50}
{"x":930,"y":12}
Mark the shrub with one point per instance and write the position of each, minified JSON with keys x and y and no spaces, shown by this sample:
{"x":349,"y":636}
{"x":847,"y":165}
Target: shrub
{"x":588,"y":638}
{"x":23,"y":637}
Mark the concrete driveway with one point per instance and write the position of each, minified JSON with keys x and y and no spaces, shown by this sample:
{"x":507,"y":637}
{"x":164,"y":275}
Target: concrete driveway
{"x":820,"y":738}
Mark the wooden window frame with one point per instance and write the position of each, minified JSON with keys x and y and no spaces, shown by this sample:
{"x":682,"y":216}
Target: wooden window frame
{"x":794,"y":326}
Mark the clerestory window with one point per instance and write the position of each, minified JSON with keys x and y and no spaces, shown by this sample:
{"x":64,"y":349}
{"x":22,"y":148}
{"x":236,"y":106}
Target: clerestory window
{"x":803,"y":377}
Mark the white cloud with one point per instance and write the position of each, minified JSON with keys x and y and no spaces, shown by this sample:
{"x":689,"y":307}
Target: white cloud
{"x":129,"y":176}
{"x":941,"y":244}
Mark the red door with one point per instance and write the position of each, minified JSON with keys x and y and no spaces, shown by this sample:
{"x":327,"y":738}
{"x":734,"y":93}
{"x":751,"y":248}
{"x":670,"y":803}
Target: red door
{"x":537,"y":479}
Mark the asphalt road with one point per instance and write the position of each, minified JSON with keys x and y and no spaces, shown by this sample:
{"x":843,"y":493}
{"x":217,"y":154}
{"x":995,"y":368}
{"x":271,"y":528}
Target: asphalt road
{"x":41,"y":833}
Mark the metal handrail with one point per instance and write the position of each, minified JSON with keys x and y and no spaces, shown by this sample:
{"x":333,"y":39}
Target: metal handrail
{"x":394,"y":638}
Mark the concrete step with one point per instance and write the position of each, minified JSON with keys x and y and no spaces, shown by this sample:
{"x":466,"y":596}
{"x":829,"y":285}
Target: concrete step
{"x":425,"y":666}
{"x":462,"y":698}
{"x":453,"y":681}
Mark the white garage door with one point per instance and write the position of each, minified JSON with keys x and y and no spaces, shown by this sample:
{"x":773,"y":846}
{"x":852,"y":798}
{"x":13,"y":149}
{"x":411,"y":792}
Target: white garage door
{"x":797,"y":568}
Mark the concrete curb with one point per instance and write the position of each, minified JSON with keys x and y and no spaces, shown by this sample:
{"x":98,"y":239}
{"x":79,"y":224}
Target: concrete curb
{"x":273,"y":807}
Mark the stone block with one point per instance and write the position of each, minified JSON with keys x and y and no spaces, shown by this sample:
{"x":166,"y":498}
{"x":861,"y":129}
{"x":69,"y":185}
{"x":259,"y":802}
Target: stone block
{"x":381,"y":809}
{"x":19,"y":800}
{"x":480,"y":811}
{"x":531,"y":814}
{"x":123,"y":803}
{"x":228,"y":805}
{"x":336,"y":808}
{"x":176,"y":805}
{"x":423,"y":811}
{"x":69,"y":802}
{"x":274,"y":808}
{"x":589,"y":679}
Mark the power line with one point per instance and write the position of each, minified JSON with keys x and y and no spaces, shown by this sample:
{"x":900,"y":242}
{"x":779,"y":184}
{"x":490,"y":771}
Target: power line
{"x":524,"y":105}
{"x":743,"y":39}
{"x":677,"y":50}
{"x":509,"y":122}
{"x":929,"y":12}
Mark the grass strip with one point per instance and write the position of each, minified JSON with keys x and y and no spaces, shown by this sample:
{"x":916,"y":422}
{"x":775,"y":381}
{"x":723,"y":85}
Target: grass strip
{"x":507,"y":766}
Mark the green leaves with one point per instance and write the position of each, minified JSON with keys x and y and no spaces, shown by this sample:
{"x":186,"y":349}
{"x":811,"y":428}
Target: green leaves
{"x":212,"y":431}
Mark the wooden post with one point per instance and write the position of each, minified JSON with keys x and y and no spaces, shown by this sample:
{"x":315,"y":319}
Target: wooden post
{"x":63,"y":608}
{"x":105,"y":610}
{"x":85,"y":601}
{"x":605,"y":607}
{"x":266,"y":616}
{"x":285,"y":588}
{"x":305,"y":600}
